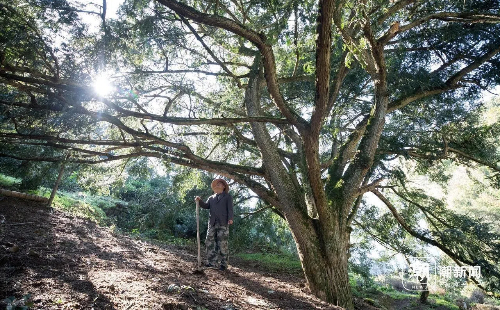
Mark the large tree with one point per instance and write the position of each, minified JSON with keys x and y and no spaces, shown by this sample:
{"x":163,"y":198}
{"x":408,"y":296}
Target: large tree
{"x":307,"y":103}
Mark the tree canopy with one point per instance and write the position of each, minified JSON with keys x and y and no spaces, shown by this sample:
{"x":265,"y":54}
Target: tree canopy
{"x":309,"y":104}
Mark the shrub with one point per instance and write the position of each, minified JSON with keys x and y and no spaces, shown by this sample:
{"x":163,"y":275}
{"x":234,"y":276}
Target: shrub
{"x":477,"y":296}
{"x":396,"y":283}
{"x":9,"y":182}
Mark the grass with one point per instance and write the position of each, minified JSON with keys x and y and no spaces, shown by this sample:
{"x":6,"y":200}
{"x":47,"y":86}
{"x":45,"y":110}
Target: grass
{"x":387,"y":297}
{"x":80,"y":208}
{"x":395,"y":294}
{"x":445,"y":303}
{"x":85,"y":206}
{"x":9,"y":182}
{"x":95,"y":207}
{"x":383,"y":297}
{"x":492,"y":301}
{"x":274,"y":262}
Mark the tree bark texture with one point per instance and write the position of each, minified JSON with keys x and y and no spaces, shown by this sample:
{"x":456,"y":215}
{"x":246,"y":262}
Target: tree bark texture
{"x":324,"y":259}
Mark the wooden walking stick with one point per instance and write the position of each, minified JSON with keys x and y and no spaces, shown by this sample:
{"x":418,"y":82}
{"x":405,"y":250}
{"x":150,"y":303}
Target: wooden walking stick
{"x":198,"y":231}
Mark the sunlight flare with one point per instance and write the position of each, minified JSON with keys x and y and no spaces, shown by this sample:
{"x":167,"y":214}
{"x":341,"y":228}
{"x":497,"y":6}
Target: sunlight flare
{"x":102,"y":85}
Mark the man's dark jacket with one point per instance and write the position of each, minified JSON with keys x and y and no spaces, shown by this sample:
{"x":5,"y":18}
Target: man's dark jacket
{"x":221,"y":208}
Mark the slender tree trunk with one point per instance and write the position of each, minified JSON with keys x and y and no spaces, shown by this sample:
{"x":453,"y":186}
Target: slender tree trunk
{"x":59,"y":177}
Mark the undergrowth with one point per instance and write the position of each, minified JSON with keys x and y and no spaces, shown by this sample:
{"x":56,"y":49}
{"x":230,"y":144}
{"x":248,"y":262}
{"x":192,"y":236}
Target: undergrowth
{"x":274,"y":262}
{"x":387,"y":297}
{"x":90,"y":207}
{"x":9,"y":182}
{"x":158,"y":236}
{"x":95,"y":208}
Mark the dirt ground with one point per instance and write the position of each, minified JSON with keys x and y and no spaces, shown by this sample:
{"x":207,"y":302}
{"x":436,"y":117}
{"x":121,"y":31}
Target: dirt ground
{"x":66,"y":262}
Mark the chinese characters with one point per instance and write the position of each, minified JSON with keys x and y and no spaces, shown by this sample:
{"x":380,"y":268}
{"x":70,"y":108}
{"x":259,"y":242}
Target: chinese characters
{"x":448,"y":272}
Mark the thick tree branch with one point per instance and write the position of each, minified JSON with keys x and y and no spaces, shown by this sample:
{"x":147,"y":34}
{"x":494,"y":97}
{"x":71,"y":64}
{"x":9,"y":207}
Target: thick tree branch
{"x":267,"y":195}
{"x":453,"y":17}
{"x":357,"y":204}
{"x":70,"y":144}
{"x":426,"y":211}
{"x":167,"y":120}
{"x":453,"y":80}
{"x":248,"y":214}
{"x":351,"y":36}
{"x":451,"y":84}
{"x":412,"y":152}
{"x":348,"y":149}
{"x":241,"y":138}
{"x":417,"y":235}
{"x":64,"y":85}
{"x":378,"y":239}
{"x":472,"y":158}
{"x":104,"y":159}
{"x":296,"y":39}
{"x":26,"y":137}
{"x":398,"y":6}
{"x":292,"y":79}
{"x":183,"y":71}
{"x":369,"y":187}
{"x":323,"y":53}
{"x":342,"y":71}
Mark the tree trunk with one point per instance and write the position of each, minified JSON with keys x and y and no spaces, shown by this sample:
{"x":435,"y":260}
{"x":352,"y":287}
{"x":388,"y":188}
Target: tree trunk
{"x":327,"y":278}
{"x":322,"y":243}
{"x":59,"y":177}
{"x":325,"y":264}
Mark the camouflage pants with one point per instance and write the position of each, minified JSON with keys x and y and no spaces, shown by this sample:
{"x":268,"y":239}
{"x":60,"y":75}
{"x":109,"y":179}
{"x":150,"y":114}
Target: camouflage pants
{"x":216,"y":243}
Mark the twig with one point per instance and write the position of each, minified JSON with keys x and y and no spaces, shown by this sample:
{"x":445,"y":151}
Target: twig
{"x":247,"y":214}
{"x":18,"y":224}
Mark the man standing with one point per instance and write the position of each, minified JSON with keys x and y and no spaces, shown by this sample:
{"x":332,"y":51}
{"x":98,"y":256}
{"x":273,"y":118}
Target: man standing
{"x":221,"y":216}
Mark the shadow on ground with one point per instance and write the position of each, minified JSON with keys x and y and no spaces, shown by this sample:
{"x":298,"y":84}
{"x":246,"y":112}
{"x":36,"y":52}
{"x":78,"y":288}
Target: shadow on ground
{"x":66,"y":262}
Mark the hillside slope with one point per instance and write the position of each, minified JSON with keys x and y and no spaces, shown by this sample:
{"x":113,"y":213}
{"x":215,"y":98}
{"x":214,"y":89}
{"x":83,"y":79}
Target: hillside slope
{"x":66,"y":262}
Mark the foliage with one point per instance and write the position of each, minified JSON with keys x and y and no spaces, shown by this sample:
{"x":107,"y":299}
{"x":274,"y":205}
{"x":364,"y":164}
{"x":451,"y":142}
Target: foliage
{"x":360,"y":262}
{"x":8,"y":181}
{"x":31,"y":174}
{"x":387,"y":297}
{"x":453,"y":203}
{"x":262,"y":232}
{"x":73,"y":204}
{"x":162,"y":208}
{"x":309,"y":105}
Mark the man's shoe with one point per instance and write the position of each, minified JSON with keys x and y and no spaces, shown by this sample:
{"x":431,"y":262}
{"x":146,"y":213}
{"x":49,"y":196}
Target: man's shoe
{"x":222,"y":268}
{"x":208,"y":265}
